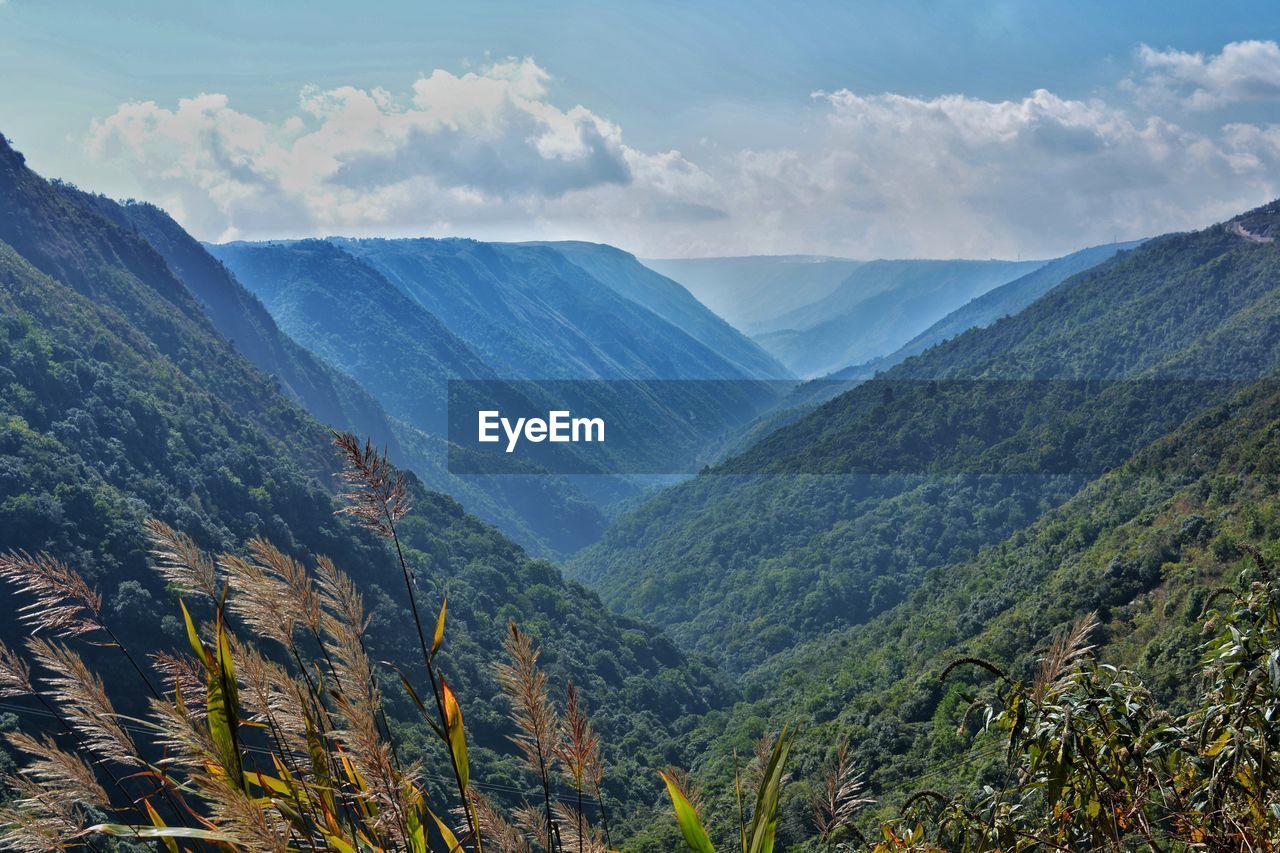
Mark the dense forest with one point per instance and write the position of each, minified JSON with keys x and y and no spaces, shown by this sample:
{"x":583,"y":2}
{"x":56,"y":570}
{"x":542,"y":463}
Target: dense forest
{"x":122,"y":401}
{"x":837,"y":517}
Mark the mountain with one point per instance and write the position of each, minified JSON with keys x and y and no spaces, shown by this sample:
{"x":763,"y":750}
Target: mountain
{"x":979,"y":312}
{"x":991,"y":306}
{"x":350,"y":315}
{"x":1144,"y":547}
{"x":121,"y":400}
{"x":667,"y":298}
{"x":546,"y":315}
{"x":879,"y":307}
{"x":330,"y":395}
{"x":838,"y":517}
{"x":355,"y":320}
{"x":531,"y":313}
{"x":755,"y":289}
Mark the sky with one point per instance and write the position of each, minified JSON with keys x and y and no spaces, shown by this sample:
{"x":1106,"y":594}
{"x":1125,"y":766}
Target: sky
{"x":670,"y":129}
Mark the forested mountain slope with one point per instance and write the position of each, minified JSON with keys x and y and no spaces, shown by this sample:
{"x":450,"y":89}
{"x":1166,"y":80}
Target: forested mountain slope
{"x":330,"y":395}
{"x":671,"y":301}
{"x":120,"y":400}
{"x":879,"y":307}
{"x":345,"y":310}
{"x":1144,"y":547}
{"x":530,"y":313}
{"x":838,"y":517}
{"x":350,"y":315}
{"x":982,"y":311}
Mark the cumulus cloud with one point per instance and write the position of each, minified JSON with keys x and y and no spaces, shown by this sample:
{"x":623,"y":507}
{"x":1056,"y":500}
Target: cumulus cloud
{"x":485,"y":145}
{"x":960,"y":175}
{"x":1243,"y":71}
{"x":490,"y":154}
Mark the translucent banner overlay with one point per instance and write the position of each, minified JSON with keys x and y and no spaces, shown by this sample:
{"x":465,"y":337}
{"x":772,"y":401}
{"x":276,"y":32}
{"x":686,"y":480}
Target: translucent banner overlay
{"x":933,"y":427}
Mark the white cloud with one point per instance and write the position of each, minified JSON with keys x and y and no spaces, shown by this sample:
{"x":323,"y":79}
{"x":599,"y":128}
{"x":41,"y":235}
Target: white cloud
{"x":482,"y":145}
{"x":1243,"y":71}
{"x":489,"y":154}
{"x":962,"y":176}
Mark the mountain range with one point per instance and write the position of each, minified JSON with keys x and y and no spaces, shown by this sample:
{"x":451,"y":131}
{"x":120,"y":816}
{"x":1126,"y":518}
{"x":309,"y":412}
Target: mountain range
{"x":1014,"y":445}
{"x":878,"y":307}
{"x":122,"y":400}
{"x":835,"y":518}
{"x":751,"y":292}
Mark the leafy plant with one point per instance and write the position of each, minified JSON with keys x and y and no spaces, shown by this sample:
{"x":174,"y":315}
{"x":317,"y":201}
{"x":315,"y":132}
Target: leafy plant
{"x":756,"y":837}
{"x":1094,"y":762}
{"x":271,"y":732}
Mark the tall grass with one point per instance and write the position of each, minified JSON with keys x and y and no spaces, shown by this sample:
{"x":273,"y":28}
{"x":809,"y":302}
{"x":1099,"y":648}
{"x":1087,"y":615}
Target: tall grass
{"x":270,"y":732}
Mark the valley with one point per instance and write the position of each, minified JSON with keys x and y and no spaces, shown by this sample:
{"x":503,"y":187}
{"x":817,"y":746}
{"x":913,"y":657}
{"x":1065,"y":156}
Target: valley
{"x":859,"y":476}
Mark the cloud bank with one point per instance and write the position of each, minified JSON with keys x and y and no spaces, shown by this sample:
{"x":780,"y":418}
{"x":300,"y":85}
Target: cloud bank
{"x":490,"y":154}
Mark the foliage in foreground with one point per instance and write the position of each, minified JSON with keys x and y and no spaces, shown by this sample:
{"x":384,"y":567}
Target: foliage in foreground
{"x":272,"y":733}
{"x":1095,"y":763}
{"x":288,"y":746}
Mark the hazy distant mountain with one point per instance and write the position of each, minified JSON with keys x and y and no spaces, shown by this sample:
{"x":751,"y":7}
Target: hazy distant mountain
{"x":1003,"y":301}
{"x":671,"y":301}
{"x":349,"y":314}
{"x":775,"y":546}
{"x":537,"y":316}
{"x":530,"y":313}
{"x":879,"y":307}
{"x":756,"y":289}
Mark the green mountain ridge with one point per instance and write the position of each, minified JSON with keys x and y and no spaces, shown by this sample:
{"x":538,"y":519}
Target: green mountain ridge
{"x":1143,"y":547}
{"x":982,"y":311}
{"x":839,"y":516}
{"x":121,"y":401}
{"x":979,"y":312}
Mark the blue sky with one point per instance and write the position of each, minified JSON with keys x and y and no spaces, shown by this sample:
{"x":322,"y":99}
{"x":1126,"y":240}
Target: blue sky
{"x":861,"y":129}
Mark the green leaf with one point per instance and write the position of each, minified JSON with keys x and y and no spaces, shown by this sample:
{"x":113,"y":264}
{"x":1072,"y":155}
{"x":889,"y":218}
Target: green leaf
{"x":446,"y":833}
{"x":193,"y":637}
{"x":122,"y":830}
{"x":224,"y":711}
{"x":158,"y":822}
{"x":765,"y":820}
{"x":415,"y":832}
{"x":687,"y":816}
{"x":457,"y":734}
{"x":319,"y":763}
{"x":422,"y":708}
{"x":1219,"y":744}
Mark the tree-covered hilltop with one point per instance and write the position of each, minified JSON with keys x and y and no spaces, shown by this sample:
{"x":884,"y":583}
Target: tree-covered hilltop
{"x":1148,"y":548}
{"x":121,"y":401}
{"x":839,"y":516}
